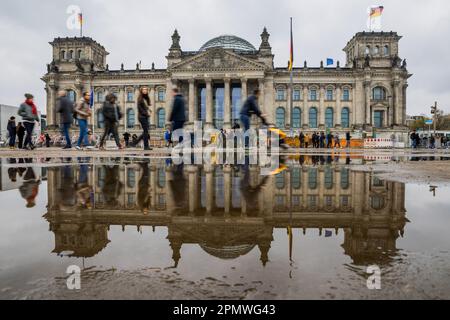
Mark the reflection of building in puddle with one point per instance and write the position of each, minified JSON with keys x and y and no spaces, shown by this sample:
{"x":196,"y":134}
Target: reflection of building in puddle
{"x":227,"y":210}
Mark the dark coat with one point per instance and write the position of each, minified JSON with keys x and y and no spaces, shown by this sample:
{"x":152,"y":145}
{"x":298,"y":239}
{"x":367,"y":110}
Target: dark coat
{"x":11,"y":126}
{"x":65,"y":107}
{"x":21,"y":131}
{"x":111,"y":112}
{"x":251,"y":107}
{"x":178,"y":110}
{"x":143,"y":109}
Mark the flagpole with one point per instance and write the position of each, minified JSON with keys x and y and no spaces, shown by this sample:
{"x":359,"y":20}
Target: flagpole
{"x":291,"y":77}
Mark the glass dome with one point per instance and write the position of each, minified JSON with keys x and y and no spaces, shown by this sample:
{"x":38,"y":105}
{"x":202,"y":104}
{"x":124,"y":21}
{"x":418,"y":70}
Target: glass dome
{"x":228,"y":42}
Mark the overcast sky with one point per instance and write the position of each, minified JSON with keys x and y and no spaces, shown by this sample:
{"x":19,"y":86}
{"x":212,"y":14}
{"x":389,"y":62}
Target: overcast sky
{"x":140,"y":30}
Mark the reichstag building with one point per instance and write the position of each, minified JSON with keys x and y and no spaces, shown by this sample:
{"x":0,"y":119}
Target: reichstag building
{"x":368,"y":92}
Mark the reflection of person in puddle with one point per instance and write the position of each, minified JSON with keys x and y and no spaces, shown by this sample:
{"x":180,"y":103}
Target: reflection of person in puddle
{"x":30,"y":187}
{"x":177,"y":185}
{"x":83,"y":188}
{"x":144,"y":190}
{"x":112,"y":187}
{"x":251,"y":191}
{"x":12,"y":174}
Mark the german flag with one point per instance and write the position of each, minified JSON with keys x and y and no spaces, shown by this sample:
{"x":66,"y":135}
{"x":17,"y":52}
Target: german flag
{"x":80,"y":19}
{"x":291,"y":58}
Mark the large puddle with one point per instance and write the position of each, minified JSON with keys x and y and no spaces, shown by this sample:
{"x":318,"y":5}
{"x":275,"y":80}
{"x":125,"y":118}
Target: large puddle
{"x":148,"y":229}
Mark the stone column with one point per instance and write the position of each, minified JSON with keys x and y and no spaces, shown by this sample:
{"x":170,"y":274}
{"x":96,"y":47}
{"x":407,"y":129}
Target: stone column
{"x":261,"y":100}
{"x":168,"y":101}
{"x":244,"y":92}
{"x":338,"y":106}
{"x":192,"y":117}
{"x":209,"y":173}
{"x":153,"y":107}
{"x":322,"y":107}
{"x":305,"y":109}
{"x":227,"y":105}
{"x":51,"y":105}
{"x":153,"y":173}
{"x":193,"y":188}
{"x":397,"y":104}
{"x":368,"y":115}
{"x":209,"y":104}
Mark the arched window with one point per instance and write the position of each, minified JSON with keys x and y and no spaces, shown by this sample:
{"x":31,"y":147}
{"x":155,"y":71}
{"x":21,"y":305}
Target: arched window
{"x":130,"y":96}
{"x":345,"y":182}
{"x":131,"y":178}
{"x":131,"y":118}
{"x":379,"y":93}
{"x":79,"y":54}
{"x":63,"y":54}
{"x":71,"y":95}
{"x":367,"y":50}
{"x":100,"y":119}
{"x":313,"y":117}
{"x":100,"y":96}
{"x":386,"y":50}
{"x":279,"y":180}
{"x":329,"y":117}
{"x":296,"y":178}
{"x":296,"y":117}
{"x":376,"y":50}
{"x":70,"y":57}
{"x":312,"y":178}
{"x":161,"y":118}
{"x":345,"y":117}
{"x":280,"y":117}
{"x":328,"y":178}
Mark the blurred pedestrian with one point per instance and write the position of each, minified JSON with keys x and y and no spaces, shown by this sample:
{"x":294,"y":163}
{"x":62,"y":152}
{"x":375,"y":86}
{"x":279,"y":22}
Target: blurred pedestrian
{"x":28,"y":112}
{"x":12,"y":131}
{"x":65,"y":108}
{"x":20,"y":134}
{"x":143,"y":106}
{"x":112,"y":115}
{"x":83,"y":112}
{"x":178,"y":114}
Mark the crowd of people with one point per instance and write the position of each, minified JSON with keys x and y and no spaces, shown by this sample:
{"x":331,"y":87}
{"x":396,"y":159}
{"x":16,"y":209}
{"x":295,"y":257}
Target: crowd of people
{"x":431,"y":142}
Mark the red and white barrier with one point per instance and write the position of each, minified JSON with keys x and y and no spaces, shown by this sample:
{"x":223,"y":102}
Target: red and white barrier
{"x":378,"y":143}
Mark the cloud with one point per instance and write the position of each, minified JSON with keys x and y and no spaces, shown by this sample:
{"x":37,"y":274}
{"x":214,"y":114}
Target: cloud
{"x":138,"y":30}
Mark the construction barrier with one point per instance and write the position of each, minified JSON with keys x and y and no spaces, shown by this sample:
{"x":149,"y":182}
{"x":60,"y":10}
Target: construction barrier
{"x":377,"y":158}
{"x":378,"y":143}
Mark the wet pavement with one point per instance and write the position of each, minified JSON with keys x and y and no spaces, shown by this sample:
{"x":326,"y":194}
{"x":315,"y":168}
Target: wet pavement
{"x":148,"y":229}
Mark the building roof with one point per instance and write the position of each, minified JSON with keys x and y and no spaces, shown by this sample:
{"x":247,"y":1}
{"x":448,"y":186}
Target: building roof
{"x":228,"y":42}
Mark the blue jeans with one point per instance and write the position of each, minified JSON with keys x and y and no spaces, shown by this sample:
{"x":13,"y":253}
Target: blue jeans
{"x":66,"y":127}
{"x":83,"y":132}
{"x":29,"y":126}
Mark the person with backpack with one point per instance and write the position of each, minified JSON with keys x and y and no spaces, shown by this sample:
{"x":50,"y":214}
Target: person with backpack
{"x":28,"y":112}
{"x":65,"y":108}
{"x":112,"y":115}
{"x":20,"y":134}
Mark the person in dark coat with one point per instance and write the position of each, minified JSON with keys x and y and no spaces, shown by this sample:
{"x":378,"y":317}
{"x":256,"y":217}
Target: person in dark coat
{"x":251,"y":107}
{"x":143,"y":197}
{"x":112,"y":115}
{"x":178,"y":114}
{"x":48,"y":140}
{"x":20,"y":134}
{"x":28,"y":112}
{"x":126,"y":137}
{"x":347,"y":139}
{"x":143,"y":106}
{"x":12,"y":132}
{"x":65,"y":108}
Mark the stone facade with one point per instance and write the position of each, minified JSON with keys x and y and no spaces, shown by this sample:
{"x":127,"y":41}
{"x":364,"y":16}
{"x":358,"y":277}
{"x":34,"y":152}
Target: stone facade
{"x":369,"y":91}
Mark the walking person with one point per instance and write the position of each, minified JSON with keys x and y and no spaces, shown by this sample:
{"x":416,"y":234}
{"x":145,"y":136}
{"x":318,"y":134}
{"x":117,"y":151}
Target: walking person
{"x":251,"y":107}
{"x":112,"y":115}
{"x":143,"y":106}
{"x":307,"y":139}
{"x":11,"y":127}
{"x":48,"y":140}
{"x":126,"y":138}
{"x":83,"y":112}
{"x":347,"y":139}
{"x":337,"y":141}
{"x":20,"y":134}
{"x":29,"y":114}
{"x":168,"y":138}
{"x":65,"y":108}
{"x":178,"y":114}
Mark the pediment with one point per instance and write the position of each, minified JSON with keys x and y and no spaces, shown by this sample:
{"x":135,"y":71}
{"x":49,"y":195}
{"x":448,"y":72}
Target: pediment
{"x":218,"y":59}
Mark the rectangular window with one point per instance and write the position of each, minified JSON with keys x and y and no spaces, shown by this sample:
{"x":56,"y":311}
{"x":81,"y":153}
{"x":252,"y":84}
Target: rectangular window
{"x":378,"y":119}
{"x":346,"y":95}
{"x":296,"y":96}
{"x":130,"y":96}
{"x":280,"y":94}
{"x":329,"y":94}
{"x":313,"y":95}
{"x":161,"y":95}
